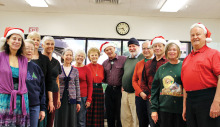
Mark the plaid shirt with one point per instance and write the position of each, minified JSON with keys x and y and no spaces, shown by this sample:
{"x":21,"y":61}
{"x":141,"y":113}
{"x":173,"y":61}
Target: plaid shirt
{"x":147,"y":78}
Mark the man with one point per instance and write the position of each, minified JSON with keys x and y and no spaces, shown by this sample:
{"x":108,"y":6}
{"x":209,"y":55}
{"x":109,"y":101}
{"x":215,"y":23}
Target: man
{"x":158,"y":43}
{"x":128,"y":107}
{"x":141,"y":107}
{"x":113,"y":72}
{"x":201,"y":80}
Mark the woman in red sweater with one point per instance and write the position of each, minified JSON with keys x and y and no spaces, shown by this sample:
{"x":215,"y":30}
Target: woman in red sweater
{"x":85,"y":81}
{"x":95,"y":114}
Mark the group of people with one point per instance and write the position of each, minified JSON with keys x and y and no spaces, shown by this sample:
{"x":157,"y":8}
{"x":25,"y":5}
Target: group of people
{"x":150,"y":88}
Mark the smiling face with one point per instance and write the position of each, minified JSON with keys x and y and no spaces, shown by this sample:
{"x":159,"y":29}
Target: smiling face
{"x":110,"y":51}
{"x":198,"y":38}
{"x":14,"y":42}
{"x":173,"y":52}
{"x":28,"y":50}
{"x":94,"y":56}
{"x":133,"y":50}
{"x":48,"y":46}
{"x":80,"y":58}
{"x":68,"y":57}
{"x":36,"y":40}
{"x":147,"y":51}
{"x":159,"y":49}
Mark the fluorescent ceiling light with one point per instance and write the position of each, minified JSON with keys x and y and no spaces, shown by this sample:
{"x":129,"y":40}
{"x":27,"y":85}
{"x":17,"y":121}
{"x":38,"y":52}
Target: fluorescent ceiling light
{"x":173,"y":5}
{"x":37,"y":3}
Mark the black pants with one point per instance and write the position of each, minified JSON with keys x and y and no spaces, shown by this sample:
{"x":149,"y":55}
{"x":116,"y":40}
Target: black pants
{"x":113,"y":106}
{"x":167,"y":119}
{"x":198,"y":105}
{"x":144,"y":112}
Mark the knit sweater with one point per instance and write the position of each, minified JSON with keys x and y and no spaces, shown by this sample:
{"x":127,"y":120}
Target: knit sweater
{"x":129,"y":67}
{"x":85,"y":81}
{"x":137,"y":76}
{"x":167,"y":90}
{"x":70,"y":82}
{"x":35,"y":85}
{"x":97,"y":71}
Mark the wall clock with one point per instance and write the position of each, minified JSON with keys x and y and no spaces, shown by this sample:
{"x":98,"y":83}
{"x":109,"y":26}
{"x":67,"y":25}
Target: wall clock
{"x":122,"y":28}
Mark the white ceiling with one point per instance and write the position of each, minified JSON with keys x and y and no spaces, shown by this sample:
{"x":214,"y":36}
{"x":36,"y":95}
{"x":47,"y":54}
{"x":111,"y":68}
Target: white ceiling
{"x":193,"y":9}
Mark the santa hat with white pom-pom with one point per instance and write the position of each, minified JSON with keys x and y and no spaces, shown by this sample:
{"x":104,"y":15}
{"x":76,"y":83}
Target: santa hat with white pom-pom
{"x":9,"y":31}
{"x":206,"y":31}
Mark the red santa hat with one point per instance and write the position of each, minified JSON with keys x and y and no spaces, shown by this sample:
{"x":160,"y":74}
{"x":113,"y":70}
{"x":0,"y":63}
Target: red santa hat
{"x":158,"y":39}
{"x":105,"y":45}
{"x":206,"y":31}
{"x":11,"y":30}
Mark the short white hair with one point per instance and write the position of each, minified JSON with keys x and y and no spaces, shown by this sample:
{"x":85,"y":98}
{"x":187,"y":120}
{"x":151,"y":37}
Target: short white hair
{"x":46,"y":38}
{"x":80,"y":52}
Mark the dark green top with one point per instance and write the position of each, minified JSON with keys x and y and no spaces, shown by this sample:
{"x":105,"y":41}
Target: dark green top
{"x":129,"y":67}
{"x":167,"y":90}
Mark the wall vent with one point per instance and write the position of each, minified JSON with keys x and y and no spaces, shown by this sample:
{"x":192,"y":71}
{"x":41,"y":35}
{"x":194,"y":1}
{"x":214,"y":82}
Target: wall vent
{"x":107,"y":1}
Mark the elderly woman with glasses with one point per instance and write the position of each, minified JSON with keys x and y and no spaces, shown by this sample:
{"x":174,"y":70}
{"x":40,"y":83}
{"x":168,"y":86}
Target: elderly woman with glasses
{"x":85,"y":81}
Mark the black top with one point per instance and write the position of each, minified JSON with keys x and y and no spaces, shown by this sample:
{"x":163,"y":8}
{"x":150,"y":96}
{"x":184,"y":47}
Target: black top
{"x":55,"y":69}
{"x":44,"y":63}
{"x":35,"y":86}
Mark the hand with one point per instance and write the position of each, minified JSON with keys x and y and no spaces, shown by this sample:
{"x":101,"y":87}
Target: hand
{"x":143,"y":95}
{"x":215,"y":109}
{"x":154,"y":116}
{"x":51,"y":107}
{"x":78,"y":107}
{"x":42,"y":115}
{"x":184,"y":113}
{"x":58,"y":104}
{"x":122,"y":89}
{"x":88,"y":104}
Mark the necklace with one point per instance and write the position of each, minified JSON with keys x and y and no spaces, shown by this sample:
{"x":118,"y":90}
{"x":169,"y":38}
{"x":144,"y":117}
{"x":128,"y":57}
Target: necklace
{"x":94,"y":69}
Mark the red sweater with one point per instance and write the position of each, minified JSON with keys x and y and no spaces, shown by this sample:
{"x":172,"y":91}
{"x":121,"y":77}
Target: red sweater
{"x":137,"y":76}
{"x":97,"y":72}
{"x":85,"y":82}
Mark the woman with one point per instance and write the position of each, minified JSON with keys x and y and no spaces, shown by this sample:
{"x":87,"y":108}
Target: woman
{"x":95,"y":114}
{"x":150,"y":67}
{"x":48,"y":45}
{"x":14,"y":104}
{"x":35,"y":86}
{"x":167,"y":90}
{"x":69,"y":93}
{"x":44,"y":63}
{"x":85,"y":81}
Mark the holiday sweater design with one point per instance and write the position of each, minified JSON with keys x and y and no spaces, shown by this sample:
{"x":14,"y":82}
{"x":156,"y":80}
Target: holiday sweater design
{"x":170,"y":87}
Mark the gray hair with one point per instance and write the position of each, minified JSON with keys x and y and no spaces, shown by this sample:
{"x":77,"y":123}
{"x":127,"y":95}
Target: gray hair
{"x":46,"y":38}
{"x":64,"y":51}
{"x":147,"y":41}
{"x":80,"y":52}
{"x":29,"y":41}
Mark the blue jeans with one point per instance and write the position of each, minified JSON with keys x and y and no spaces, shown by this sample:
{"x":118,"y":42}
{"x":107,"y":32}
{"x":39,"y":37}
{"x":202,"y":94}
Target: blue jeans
{"x":81,"y":115}
{"x":34,"y":115}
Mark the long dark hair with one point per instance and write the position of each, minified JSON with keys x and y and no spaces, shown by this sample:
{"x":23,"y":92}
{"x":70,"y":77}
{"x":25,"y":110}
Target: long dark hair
{"x":7,"y":50}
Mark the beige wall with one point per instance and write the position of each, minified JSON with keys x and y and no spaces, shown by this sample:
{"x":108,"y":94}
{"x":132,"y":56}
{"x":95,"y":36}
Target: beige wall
{"x":103,"y":26}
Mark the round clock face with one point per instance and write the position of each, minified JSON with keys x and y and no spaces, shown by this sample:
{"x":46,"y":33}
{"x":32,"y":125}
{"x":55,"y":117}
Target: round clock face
{"x":122,"y":28}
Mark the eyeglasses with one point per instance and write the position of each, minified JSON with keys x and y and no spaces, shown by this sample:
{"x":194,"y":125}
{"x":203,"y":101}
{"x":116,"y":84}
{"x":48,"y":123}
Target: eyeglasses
{"x":29,"y":49}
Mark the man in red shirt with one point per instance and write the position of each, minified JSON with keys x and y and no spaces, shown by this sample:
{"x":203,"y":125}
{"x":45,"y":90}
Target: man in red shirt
{"x":200,"y":76}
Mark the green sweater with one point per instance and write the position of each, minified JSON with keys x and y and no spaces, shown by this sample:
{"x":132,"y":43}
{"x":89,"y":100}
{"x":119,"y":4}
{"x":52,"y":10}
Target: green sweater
{"x":129,"y":67}
{"x":167,"y":90}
